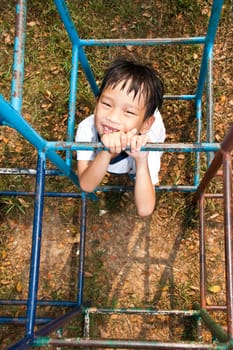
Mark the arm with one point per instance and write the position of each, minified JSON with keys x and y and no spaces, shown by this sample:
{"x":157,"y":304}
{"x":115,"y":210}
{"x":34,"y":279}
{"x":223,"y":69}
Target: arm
{"x":92,"y":172}
{"x":144,"y":191}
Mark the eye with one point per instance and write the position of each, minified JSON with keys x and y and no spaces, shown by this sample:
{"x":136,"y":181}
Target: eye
{"x":106,"y":104}
{"x":130,"y":113}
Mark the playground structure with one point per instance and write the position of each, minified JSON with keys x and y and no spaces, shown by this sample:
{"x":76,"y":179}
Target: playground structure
{"x":10,"y":115}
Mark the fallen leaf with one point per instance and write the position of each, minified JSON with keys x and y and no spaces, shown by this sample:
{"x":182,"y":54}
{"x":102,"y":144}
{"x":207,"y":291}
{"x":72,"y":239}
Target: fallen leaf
{"x":4,"y":254}
{"x":19,"y":287}
{"x":146,"y":14}
{"x":214,"y":289}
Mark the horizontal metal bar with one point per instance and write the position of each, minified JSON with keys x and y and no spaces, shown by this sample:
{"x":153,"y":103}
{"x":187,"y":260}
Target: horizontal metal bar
{"x":98,"y":146}
{"x":62,"y":303}
{"x":113,"y":188}
{"x":23,"y":320}
{"x":213,"y":195}
{"x":119,"y":188}
{"x":179,"y":97}
{"x":142,"y":42}
{"x":138,"y":311}
{"x":25,"y":171}
{"x":123,"y":344}
{"x":46,"y":194}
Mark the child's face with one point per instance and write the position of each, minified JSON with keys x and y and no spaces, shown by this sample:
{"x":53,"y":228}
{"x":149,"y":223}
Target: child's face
{"x":117,"y":110}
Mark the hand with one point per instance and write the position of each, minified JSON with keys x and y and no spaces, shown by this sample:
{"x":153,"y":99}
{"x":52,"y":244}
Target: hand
{"x":117,"y":141}
{"x":136,"y":142}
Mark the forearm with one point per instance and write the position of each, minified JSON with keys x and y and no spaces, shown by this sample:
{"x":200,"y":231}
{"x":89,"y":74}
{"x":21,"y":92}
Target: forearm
{"x":144,"y":191}
{"x":95,"y":172}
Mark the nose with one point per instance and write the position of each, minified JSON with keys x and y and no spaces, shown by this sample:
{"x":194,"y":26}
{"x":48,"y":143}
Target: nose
{"x":114,"y":116}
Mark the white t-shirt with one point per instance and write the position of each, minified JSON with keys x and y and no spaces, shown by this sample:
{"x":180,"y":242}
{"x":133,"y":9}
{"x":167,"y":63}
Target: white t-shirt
{"x":87,"y":132}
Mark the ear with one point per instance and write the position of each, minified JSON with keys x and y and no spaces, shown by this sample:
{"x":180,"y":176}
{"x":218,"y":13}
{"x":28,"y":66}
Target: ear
{"x":96,"y":102}
{"x":147,"y":124}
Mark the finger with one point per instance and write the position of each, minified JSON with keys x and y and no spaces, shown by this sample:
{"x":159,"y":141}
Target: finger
{"x":133,"y":143}
{"x":144,"y":140}
{"x":138,"y":142}
{"x":123,"y":139}
{"x":115,"y":143}
{"x":130,"y":134}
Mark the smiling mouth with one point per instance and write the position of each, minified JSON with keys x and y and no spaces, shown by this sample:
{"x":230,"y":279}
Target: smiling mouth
{"x":108,"y":130}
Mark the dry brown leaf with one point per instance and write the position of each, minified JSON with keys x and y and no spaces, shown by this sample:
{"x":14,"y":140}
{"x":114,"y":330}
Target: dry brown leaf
{"x":19,"y":287}
{"x":3,"y":254}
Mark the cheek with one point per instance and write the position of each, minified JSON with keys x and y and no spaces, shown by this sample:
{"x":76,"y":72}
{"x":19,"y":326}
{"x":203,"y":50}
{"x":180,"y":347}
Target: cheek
{"x":134,"y":124}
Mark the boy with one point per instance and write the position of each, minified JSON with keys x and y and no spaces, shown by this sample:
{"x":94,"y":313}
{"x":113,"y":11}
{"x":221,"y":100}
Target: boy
{"x":126,"y":114}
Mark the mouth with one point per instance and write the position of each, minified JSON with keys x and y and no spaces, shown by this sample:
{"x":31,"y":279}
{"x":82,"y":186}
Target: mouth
{"x":108,"y":129}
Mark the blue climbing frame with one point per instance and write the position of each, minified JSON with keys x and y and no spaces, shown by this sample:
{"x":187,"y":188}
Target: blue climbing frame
{"x":10,"y":115}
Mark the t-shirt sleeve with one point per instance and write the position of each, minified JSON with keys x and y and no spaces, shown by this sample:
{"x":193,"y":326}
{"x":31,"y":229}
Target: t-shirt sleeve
{"x":157,"y":134}
{"x":85,"y":133}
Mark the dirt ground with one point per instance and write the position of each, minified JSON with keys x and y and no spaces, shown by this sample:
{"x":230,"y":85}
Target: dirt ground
{"x":130,"y":261}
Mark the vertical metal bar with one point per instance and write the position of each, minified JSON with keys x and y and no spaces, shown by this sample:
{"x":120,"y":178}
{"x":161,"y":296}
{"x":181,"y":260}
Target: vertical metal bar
{"x":86,"y":328}
{"x":206,"y":58}
{"x":72,"y":101}
{"x":73,"y":35}
{"x":199,"y":329}
{"x":202,"y":253}
{"x":227,"y":173}
{"x":18,"y":62}
{"x":209,"y":108}
{"x":198,"y":137}
{"x":82,"y":248}
{"x":36,"y":245}
{"x":209,"y":41}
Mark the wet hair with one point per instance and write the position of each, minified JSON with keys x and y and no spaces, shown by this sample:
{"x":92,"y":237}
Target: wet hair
{"x":143,"y":78}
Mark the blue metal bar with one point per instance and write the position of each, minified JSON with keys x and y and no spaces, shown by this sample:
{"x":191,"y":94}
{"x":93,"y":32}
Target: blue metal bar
{"x":209,"y":41}
{"x":46,"y":194}
{"x":198,"y":138}
{"x":15,"y":120}
{"x":36,"y":245}
{"x":125,"y":344}
{"x":72,"y":101}
{"x":172,"y":147}
{"x":179,"y":97}
{"x":62,"y":303}
{"x":209,"y":108}
{"x":23,"y":320}
{"x":18,"y":63}
{"x":142,"y":42}
{"x":30,"y":172}
{"x":113,"y":188}
{"x":206,"y":64}
{"x":73,"y":35}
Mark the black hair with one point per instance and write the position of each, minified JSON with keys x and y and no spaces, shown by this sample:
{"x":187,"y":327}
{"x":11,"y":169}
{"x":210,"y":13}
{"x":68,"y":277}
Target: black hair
{"x":144,"y":79}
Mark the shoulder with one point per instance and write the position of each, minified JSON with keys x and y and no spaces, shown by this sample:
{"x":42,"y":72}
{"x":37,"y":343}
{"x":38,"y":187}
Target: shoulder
{"x":86,"y":130}
{"x":89,"y":121}
{"x":157,"y":131}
